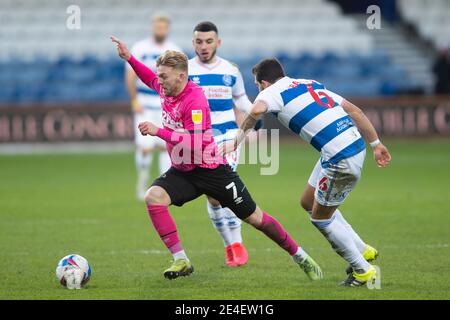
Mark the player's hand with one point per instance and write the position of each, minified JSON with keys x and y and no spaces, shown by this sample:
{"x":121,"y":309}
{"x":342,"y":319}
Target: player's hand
{"x":121,"y":48}
{"x":382,"y":156}
{"x":227,"y":147}
{"x":148,"y":128}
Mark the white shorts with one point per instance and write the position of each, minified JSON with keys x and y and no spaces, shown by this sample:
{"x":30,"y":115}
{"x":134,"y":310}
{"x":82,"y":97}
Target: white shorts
{"x":148,"y":142}
{"x":333,"y":184}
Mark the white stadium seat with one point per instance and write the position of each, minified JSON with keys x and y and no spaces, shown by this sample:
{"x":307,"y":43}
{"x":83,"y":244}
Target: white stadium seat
{"x":430,"y":16}
{"x":260,"y":25}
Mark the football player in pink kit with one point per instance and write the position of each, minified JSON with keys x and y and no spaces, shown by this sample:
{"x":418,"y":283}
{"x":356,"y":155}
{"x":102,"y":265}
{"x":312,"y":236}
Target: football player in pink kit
{"x":197,"y":168}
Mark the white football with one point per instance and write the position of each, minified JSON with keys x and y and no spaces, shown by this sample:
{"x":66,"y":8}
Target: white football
{"x":73,"y":271}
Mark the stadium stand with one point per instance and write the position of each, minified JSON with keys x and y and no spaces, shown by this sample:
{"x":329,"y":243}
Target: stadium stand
{"x":44,"y":61}
{"x":429,"y":16}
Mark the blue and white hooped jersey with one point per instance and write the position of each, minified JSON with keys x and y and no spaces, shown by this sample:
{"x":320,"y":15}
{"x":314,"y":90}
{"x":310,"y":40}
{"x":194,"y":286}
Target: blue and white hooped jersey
{"x":308,"y":109}
{"x":223,"y":86}
{"x":148,"y":51}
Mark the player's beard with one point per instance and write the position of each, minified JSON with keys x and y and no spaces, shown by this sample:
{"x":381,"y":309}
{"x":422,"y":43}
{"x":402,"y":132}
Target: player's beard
{"x":168,"y":92}
{"x":159,"y":39}
{"x":207,"y":60}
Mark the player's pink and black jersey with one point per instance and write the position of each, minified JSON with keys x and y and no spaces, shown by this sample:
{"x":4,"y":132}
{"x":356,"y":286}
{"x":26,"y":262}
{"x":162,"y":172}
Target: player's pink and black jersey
{"x":308,"y":109}
{"x":187,"y":124}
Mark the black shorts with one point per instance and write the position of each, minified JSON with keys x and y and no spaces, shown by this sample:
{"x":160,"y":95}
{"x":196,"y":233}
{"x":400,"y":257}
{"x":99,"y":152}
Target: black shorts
{"x":221,"y":183}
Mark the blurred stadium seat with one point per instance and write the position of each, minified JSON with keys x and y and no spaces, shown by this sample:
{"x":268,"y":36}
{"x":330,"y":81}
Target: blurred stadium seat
{"x":429,"y":16}
{"x":49,"y":62}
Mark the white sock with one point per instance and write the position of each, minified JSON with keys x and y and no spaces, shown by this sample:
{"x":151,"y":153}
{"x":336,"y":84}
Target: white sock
{"x":234,"y":225}
{"x":180,"y":255}
{"x":300,"y":255}
{"x":164,"y":162}
{"x":342,"y":242}
{"x":143,"y":163}
{"x":361,"y":245}
{"x":217,"y":216}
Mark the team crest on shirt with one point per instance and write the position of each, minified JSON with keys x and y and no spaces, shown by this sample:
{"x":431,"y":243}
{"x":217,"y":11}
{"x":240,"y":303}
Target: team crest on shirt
{"x":227,"y":80}
{"x":197,"y":116}
{"x":324,"y":183}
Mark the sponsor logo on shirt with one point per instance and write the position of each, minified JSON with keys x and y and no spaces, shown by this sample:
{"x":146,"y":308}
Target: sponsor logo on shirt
{"x":169,"y":122}
{"x":197,"y":116}
{"x":343,"y":124}
{"x":218,"y":93}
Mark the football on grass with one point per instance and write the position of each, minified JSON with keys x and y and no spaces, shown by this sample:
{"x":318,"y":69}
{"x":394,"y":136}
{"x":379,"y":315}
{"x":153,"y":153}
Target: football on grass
{"x":73,"y":271}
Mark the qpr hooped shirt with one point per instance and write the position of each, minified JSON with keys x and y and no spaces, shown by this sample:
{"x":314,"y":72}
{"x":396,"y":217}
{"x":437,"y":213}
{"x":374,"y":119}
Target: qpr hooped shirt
{"x":224,"y":87}
{"x":316,"y":114}
{"x":186,"y":123}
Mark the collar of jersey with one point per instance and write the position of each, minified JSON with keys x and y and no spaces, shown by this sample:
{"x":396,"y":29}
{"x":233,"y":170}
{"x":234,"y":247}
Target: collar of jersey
{"x":212,"y":67}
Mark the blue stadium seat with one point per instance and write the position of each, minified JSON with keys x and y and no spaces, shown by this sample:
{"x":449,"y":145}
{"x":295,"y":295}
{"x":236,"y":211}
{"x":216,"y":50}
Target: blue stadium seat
{"x":8,"y":92}
{"x":94,"y":79}
{"x":80,"y":74}
{"x":7,"y":72}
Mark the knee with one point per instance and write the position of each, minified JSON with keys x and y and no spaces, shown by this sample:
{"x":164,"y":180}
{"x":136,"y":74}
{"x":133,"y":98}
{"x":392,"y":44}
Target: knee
{"x":255,"y":219}
{"x":215,"y":211}
{"x":307,"y":199}
{"x":307,"y":204}
{"x":157,"y":195}
{"x":213,"y":202}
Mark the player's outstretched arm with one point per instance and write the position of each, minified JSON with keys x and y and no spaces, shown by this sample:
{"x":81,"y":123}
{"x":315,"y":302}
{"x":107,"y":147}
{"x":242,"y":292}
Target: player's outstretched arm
{"x":195,"y":130}
{"x":381,"y":153}
{"x":122,"y":49}
{"x":142,"y":71}
{"x":184,"y":140}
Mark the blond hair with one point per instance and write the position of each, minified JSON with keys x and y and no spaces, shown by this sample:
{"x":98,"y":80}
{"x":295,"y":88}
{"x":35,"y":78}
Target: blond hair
{"x":174,"y":59}
{"x":160,"y":17}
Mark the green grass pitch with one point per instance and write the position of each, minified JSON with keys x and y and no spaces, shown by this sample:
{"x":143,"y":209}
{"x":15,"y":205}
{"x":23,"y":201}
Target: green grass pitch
{"x":53,"y":205}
